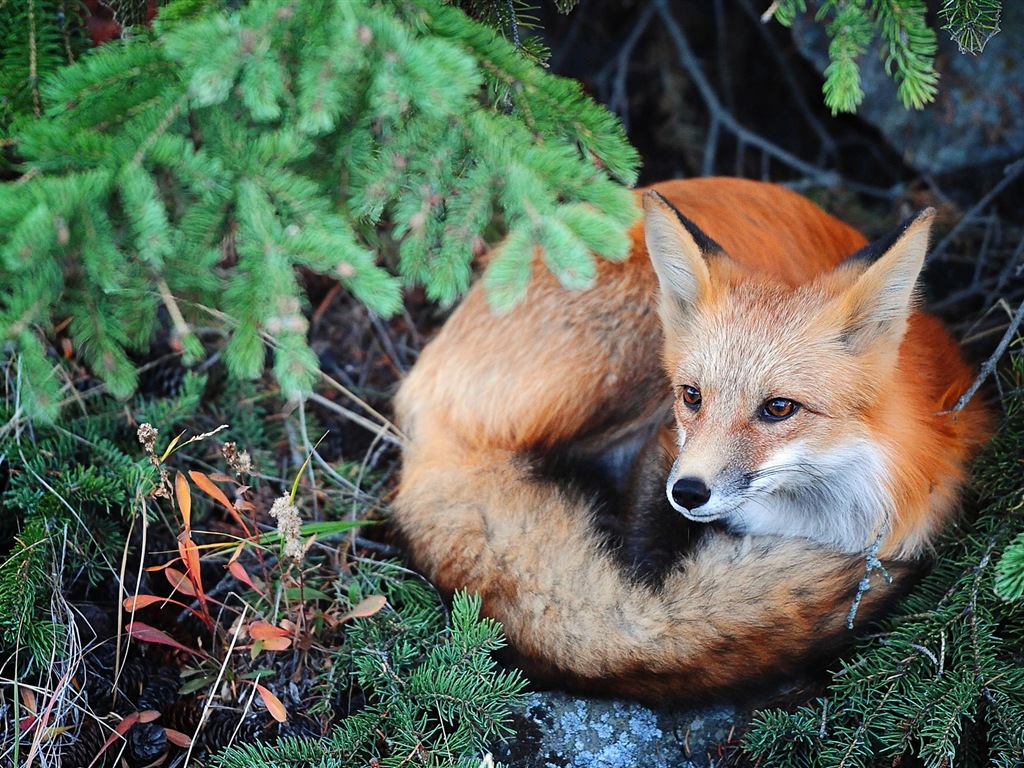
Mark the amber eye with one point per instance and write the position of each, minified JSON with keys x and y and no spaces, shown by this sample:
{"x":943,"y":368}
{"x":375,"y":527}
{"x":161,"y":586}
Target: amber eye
{"x":691,"y":397}
{"x":778,"y":409}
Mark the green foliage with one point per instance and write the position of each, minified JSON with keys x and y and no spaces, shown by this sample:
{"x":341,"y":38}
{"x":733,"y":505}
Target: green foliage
{"x":1010,"y":571}
{"x":197,"y":167}
{"x":25,"y":589}
{"x":37,"y":37}
{"x":431,"y":691}
{"x":911,"y":50}
{"x":63,"y":499}
{"x":515,"y":20}
{"x":971,"y":23}
{"x":908,"y":42}
{"x":944,"y":681}
{"x":850,"y":30}
{"x":68,"y":492}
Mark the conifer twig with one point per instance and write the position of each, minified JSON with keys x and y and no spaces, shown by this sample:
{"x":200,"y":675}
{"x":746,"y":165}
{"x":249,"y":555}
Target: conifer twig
{"x":33,"y":60}
{"x":177,"y":318}
{"x":872,"y":563}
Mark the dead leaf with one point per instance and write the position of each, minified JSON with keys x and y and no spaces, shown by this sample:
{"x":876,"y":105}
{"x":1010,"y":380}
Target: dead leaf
{"x":273,"y":704}
{"x":367,"y":607}
{"x":180,"y":581}
{"x":184,"y":495}
{"x":148,"y":634}
{"x":239,"y":572}
{"x":264,"y":630}
{"x":178,"y":738}
{"x":137,"y":602}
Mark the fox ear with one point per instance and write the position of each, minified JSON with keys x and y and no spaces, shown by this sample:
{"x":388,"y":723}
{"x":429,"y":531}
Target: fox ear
{"x":679,"y":251}
{"x":879,"y":303}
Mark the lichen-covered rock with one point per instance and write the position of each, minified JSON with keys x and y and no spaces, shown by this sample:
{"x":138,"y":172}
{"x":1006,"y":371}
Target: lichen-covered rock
{"x":556,"y":730}
{"x":977,"y":117}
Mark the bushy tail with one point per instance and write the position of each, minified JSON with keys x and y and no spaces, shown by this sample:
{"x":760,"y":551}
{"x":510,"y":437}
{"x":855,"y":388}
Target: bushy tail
{"x":736,"y":613}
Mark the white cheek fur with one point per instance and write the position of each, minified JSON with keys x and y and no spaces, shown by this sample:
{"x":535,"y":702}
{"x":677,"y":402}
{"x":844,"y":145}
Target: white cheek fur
{"x":838,"y":498}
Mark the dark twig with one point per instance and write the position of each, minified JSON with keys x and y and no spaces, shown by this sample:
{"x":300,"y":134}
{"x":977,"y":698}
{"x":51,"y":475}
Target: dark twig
{"x":990,"y":365}
{"x":1010,"y":174}
{"x":718,"y":113}
{"x":1013,"y":267}
{"x":618,"y":99}
{"x":721,"y":48}
{"x":828,"y":144}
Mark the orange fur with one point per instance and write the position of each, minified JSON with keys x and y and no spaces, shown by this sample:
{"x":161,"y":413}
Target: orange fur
{"x":492,"y":395}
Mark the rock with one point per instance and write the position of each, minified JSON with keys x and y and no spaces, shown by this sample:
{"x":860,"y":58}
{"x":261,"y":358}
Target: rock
{"x":557,"y":730}
{"x":978,"y":115}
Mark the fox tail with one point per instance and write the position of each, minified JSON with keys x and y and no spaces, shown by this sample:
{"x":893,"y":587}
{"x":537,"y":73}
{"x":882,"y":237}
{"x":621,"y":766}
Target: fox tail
{"x":736,"y":613}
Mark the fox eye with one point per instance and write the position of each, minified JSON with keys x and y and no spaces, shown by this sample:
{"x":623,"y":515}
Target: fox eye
{"x":778,"y":409}
{"x":690,"y":397}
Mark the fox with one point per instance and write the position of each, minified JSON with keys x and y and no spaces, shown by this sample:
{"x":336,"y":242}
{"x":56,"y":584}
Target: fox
{"x":676,"y":484}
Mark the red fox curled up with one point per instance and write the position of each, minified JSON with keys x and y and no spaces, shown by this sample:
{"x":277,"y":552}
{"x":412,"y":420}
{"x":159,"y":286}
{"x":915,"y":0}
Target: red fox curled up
{"x":751,"y":398}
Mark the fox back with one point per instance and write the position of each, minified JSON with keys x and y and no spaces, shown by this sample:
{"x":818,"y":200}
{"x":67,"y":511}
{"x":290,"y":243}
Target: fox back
{"x":805,"y":406}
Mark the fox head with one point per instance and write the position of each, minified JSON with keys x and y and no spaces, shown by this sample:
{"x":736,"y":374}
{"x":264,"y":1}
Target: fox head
{"x":776,"y":386}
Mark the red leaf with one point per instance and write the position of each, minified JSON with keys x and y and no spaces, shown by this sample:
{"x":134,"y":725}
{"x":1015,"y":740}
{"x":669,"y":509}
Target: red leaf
{"x":190,"y":557}
{"x":207,"y":485}
{"x":135,"y":602}
{"x":367,"y":607}
{"x":180,"y":582}
{"x":277,"y":643}
{"x":273,"y":704}
{"x":264,"y":630}
{"x":239,"y":572}
{"x":210,"y":489}
{"x":184,"y":495}
{"x":178,"y":738}
{"x":119,"y":731}
{"x":148,"y":634}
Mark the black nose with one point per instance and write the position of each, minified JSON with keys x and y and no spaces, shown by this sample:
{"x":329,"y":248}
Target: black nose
{"x":690,"y":492}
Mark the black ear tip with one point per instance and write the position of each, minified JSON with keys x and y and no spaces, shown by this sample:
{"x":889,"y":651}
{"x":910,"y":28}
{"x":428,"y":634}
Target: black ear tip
{"x":654,"y":199}
{"x":872,"y":252}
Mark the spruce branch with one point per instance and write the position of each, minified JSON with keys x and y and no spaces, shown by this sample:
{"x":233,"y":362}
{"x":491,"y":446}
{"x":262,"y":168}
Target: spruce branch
{"x":971,"y":23}
{"x":908,"y":40}
{"x":941,"y":682}
{"x":911,"y":49}
{"x":850,"y":30}
{"x":216,"y":155}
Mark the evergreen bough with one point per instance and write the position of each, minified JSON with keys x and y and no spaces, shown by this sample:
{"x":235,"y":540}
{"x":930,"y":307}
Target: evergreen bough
{"x":37,"y":37}
{"x":198,"y":166}
{"x":434,"y":694}
{"x":908,"y":42}
{"x":424,"y":679}
{"x":943,"y":682}
{"x":68,"y":492}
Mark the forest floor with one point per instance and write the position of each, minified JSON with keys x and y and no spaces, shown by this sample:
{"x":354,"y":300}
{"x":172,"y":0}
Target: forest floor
{"x":691,"y":109}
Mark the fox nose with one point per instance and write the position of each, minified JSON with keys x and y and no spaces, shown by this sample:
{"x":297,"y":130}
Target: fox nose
{"x":690,"y":492}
